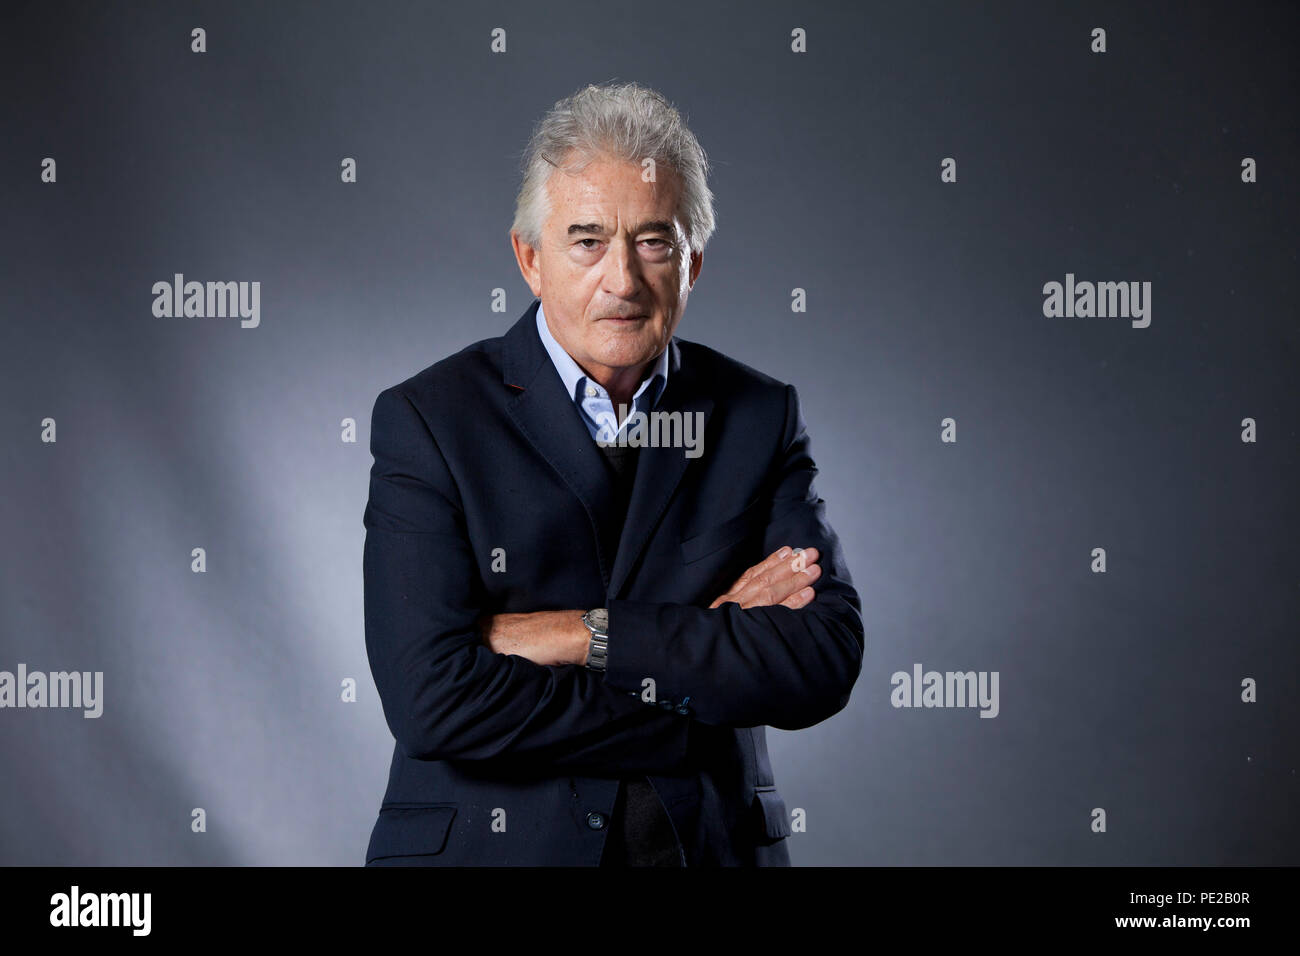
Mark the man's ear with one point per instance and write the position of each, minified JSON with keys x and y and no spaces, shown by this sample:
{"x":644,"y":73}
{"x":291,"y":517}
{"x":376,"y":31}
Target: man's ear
{"x":526,"y":256}
{"x":697,"y":262}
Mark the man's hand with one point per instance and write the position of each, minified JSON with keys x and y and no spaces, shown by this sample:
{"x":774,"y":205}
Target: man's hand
{"x":543,"y":637}
{"x":776,"y":580}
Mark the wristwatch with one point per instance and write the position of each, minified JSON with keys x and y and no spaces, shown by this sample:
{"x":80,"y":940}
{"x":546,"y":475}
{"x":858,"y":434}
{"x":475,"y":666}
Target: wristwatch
{"x":597,"y":621}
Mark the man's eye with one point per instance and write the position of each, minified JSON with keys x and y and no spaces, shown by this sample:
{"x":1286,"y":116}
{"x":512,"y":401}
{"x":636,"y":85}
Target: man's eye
{"x":581,"y":241}
{"x":662,"y":242}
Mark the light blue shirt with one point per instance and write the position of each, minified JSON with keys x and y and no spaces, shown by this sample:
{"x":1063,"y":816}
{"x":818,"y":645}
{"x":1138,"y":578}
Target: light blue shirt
{"x":594,"y":405}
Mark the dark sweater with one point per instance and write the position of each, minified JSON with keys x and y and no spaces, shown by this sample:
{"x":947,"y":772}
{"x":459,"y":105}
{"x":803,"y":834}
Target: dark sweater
{"x":640,"y":830}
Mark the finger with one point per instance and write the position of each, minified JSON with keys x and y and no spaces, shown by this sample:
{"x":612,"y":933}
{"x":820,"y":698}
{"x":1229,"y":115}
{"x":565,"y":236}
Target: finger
{"x":806,"y":557}
{"x":724,"y":598}
{"x":768,"y":564}
{"x":791,"y":584}
{"x":773,"y":579}
{"x":772,"y":561}
{"x":807,"y":576}
{"x":800,"y":598}
{"x":783,"y":580}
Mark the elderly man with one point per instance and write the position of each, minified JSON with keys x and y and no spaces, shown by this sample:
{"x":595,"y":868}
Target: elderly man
{"x":579,"y":617}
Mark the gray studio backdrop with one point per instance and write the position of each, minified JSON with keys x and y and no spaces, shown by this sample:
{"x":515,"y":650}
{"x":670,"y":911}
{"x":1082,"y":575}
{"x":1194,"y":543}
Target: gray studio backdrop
{"x":921,"y":172}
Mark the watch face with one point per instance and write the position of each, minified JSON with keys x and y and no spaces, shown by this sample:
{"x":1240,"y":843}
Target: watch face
{"x":599,"y":617}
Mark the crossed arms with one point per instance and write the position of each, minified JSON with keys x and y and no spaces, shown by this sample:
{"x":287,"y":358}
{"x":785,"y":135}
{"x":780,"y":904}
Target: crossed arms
{"x":447,"y":694}
{"x":555,"y":638}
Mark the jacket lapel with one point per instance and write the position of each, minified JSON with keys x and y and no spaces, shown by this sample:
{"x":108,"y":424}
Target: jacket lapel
{"x":554,"y":426}
{"x":659,"y":470}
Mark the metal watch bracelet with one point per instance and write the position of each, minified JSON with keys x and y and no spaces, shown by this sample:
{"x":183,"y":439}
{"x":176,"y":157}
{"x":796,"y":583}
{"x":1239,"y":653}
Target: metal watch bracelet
{"x":597,"y":622}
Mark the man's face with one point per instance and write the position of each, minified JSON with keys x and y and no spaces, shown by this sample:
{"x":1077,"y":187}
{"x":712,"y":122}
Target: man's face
{"x":612,"y":247}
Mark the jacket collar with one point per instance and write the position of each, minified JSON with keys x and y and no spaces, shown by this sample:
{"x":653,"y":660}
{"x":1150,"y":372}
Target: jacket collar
{"x":574,"y":377}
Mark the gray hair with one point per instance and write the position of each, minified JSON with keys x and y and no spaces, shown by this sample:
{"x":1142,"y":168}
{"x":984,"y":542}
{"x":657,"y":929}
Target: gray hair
{"x":624,"y":121}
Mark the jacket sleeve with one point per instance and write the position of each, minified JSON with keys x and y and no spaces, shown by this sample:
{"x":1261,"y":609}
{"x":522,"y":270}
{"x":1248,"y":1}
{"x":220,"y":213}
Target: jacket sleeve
{"x":776,"y":666}
{"x":445,"y":695}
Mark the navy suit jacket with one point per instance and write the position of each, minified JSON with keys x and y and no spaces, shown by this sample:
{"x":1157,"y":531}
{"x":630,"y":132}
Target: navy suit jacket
{"x":485,"y":497}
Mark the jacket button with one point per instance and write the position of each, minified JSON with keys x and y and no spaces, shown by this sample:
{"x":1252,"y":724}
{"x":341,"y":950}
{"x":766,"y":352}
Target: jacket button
{"x":596,"y":820}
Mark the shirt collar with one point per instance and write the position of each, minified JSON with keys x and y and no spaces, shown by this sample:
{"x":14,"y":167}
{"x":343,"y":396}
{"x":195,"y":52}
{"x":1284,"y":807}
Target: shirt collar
{"x":575,"y":378}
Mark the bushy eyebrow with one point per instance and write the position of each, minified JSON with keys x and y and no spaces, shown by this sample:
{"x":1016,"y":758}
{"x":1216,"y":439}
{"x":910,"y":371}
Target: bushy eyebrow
{"x":595,"y":229}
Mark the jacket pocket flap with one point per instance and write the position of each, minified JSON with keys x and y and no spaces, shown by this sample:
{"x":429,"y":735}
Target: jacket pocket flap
{"x":410,"y":831}
{"x":770,"y":813}
{"x":729,"y":532}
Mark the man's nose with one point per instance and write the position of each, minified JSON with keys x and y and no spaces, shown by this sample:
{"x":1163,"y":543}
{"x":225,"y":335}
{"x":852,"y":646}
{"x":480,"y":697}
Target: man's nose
{"x":622,"y":269}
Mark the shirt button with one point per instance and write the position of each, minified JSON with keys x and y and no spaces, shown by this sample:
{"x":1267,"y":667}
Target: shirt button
{"x":590,"y":391}
{"x":596,"y":820}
